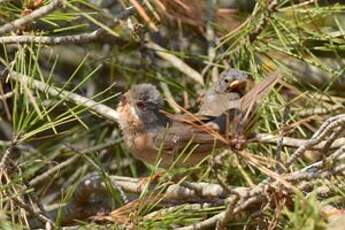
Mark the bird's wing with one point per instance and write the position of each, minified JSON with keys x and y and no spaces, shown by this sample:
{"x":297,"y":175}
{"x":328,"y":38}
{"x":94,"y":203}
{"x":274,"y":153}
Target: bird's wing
{"x":238,"y":120}
{"x":181,"y":135}
{"x":249,"y":100}
{"x":188,"y":118}
{"x":218,"y":103}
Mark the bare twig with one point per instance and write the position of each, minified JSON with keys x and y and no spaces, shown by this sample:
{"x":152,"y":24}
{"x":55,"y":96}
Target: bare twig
{"x":180,"y":192}
{"x":331,"y":140}
{"x":42,"y":11}
{"x":228,"y":213}
{"x":326,"y":128}
{"x":102,"y":110}
{"x":294,"y":142}
{"x":67,"y":39}
{"x":6,"y":95}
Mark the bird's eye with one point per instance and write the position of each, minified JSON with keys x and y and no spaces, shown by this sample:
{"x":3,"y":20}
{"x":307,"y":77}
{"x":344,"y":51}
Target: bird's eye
{"x":123,"y":99}
{"x":140,"y":105}
{"x":226,"y":81}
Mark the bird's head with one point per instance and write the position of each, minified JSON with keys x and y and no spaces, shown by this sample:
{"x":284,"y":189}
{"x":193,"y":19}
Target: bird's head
{"x":141,"y":105}
{"x":232,"y":81}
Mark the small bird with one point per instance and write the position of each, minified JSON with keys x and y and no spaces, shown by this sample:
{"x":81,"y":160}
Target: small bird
{"x":225,"y":94}
{"x":151,"y":134}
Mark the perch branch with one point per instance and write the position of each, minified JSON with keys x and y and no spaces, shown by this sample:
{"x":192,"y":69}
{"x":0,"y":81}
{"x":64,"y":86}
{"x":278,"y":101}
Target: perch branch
{"x":103,"y":110}
{"x":294,"y":142}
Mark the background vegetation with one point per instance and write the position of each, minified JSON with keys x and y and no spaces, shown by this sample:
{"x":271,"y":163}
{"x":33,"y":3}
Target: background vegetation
{"x":65,"y":62}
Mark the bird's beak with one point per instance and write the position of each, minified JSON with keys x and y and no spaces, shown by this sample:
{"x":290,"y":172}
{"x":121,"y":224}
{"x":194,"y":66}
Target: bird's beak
{"x":237,"y":85}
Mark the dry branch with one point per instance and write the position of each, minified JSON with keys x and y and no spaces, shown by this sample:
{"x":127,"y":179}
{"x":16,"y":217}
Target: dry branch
{"x":42,"y":11}
{"x":326,"y":129}
{"x":264,"y":138}
{"x":6,"y":95}
{"x":67,"y":39}
{"x":102,"y":110}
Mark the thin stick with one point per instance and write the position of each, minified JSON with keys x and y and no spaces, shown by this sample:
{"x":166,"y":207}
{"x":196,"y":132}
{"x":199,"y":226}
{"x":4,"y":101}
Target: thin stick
{"x":44,"y":10}
{"x":265,"y":138}
{"x":67,"y":39}
{"x":102,"y":110}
